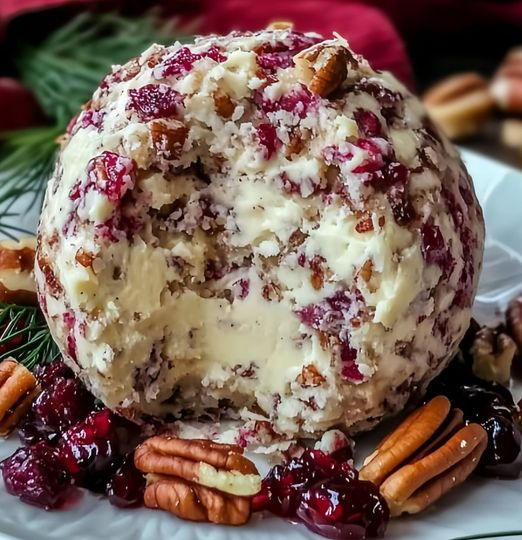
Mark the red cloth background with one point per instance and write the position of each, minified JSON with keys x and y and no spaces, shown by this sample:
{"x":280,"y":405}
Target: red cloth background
{"x":367,"y":24}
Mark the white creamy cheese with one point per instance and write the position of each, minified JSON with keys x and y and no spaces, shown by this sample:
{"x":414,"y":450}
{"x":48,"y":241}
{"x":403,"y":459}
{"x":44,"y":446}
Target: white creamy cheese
{"x":218,"y":240}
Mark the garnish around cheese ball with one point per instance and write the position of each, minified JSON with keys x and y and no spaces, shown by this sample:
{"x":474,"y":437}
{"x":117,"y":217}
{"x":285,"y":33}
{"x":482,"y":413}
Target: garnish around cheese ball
{"x":229,"y":217}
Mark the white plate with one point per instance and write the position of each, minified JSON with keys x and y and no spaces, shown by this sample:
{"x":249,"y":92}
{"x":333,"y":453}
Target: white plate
{"x":480,"y":506}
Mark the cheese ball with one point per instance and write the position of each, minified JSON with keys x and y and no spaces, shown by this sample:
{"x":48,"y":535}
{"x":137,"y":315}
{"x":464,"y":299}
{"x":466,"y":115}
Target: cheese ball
{"x":258,"y":226}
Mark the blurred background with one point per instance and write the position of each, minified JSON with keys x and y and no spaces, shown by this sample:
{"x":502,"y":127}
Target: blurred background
{"x":52,"y":61}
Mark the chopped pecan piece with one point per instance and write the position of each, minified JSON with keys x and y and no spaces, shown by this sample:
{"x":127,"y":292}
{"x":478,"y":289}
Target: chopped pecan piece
{"x":18,"y":389}
{"x":324,"y":67}
{"x":310,"y":376}
{"x":17,"y":284}
{"x":85,"y":258}
{"x":431,"y":452}
{"x":197,"y":479}
{"x":168,"y":140}
{"x":224,"y":105}
{"x":493,"y":352}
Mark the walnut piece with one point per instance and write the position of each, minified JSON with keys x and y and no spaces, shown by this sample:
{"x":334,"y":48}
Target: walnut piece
{"x":18,"y":389}
{"x":199,"y":480}
{"x":17,"y":284}
{"x":430,"y":453}
{"x":493,"y":351}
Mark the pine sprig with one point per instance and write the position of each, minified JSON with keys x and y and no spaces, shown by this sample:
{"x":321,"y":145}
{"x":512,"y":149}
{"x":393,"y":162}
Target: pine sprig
{"x":63,"y":71}
{"x":66,"y":67}
{"x":24,"y":335}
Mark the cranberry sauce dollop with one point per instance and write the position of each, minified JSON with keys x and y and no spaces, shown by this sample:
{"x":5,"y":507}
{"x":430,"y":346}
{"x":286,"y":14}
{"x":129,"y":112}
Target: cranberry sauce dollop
{"x":323,"y":492}
{"x":68,"y":441}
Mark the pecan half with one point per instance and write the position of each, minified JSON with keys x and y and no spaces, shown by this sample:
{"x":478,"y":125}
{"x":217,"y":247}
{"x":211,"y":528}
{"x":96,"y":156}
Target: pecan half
{"x":324,"y":67}
{"x":18,"y":389}
{"x":17,"y":284}
{"x":199,"y":480}
{"x":493,"y":352}
{"x":431,"y":452}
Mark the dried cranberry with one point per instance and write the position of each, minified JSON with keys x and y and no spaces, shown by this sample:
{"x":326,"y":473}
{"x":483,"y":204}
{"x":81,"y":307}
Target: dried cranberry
{"x":323,"y":492}
{"x":126,"y":487}
{"x":62,"y":404}
{"x":182,"y":61}
{"x":267,"y":136}
{"x":35,"y":476}
{"x":242,"y":286}
{"x":89,"y":450}
{"x":434,"y":249}
{"x":490,"y":405}
{"x":46,"y":374}
{"x":344,"y":510}
{"x":154,"y":101}
{"x":271,"y":61}
{"x":349,"y":368}
{"x":299,"y":102}
{"x":368,"y":123}
{"x":112,"y":174}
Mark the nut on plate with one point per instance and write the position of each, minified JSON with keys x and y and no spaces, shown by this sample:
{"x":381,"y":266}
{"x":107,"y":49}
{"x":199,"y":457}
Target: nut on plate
{"x":429,"y":454}
{"x":198,"y":480}
{"x":17,"y":284}
{"x":18,"y":389}
{"x":506,"y":87}
{"x":514,"y":321}
{"x":459,"y":104}
{"x":493,"y":351}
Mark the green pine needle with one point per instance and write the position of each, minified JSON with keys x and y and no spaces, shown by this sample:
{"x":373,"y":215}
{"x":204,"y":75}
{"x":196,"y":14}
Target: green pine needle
{"x":25,"y":336}
{"x":63,"y":71}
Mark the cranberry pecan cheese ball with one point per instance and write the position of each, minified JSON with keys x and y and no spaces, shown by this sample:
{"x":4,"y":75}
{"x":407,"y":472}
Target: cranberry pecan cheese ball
{"x":257,"y":226}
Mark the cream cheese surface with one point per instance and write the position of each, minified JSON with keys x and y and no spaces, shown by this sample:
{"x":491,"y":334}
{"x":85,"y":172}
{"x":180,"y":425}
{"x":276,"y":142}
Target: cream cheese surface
{"x":222,"y":239}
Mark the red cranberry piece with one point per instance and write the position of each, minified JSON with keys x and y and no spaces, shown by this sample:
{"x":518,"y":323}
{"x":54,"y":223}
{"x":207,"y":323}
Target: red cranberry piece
{"x":344,"y":510}
{"x":88,"y":449}
{"x":283,"y":487}
{"x":214,"y":53}
{"x":242,"y":287}
{"x":349,"y":369}
{"x":126,"y":487}
{"x":113,"y":175}
{"x":62,"y":404}
{"x":36,"y":477}
{"x":92,"y":117}
{"x":434,"y":249}
{"x":179,"y":63}
{"x":272,"y":61}
{"x":375,"y":159}
{"x":299,"y":102}
{"x":267,"y":136}
{"x":154,"y":101}
{"x":182,"y":61}
{"x":312,"y":315}
{"x":46,"y":374}
{"x":368,"y":123}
